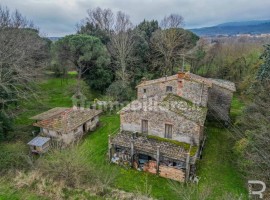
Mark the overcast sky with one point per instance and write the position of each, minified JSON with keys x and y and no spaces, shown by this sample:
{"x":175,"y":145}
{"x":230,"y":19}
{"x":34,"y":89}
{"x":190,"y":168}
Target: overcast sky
{"x":58,"y":17}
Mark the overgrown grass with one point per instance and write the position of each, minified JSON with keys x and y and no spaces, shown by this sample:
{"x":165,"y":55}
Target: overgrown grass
{"x":215,"y":169}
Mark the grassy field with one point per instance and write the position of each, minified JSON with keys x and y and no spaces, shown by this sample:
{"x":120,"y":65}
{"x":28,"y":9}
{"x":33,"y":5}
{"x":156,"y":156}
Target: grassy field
{"x":216,"y":169}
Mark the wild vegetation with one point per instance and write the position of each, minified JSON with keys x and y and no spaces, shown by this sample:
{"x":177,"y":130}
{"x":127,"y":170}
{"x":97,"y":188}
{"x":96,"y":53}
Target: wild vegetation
{"x":110,"y":56}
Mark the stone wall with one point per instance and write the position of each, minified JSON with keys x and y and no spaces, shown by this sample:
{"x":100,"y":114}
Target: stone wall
{"x":183,"y":130}
{"x":158,"y":88}
{"x":92,"y":124}
{"x":193,"y":91}
{"x":73,"y":135}
{"x":219,"y":103}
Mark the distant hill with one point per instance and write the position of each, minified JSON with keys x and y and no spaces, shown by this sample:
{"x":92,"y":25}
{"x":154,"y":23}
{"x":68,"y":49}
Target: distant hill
{"x":234,"y":28}
{"x":54,"y":38}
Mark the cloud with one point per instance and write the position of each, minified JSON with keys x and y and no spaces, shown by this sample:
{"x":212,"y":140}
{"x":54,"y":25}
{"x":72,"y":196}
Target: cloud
{"x":59,"y":17}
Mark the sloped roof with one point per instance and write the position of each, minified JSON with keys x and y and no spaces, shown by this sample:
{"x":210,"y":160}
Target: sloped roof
{"x":169,"y":103}
{"x":192,"y":77}
{"x":180,"y":75}
{"x":38,"y":141}
{"x":50,"y":113}
{"x":224,"y":83}
{"x":150,"y":145}
{"x":185,"y":108}
{"x":68,"y":120}
{"x":196,"y":78}
{"x":163,"y":79}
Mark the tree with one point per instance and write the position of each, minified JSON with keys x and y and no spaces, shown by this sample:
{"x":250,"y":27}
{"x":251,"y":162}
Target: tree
{"x":120,"y":91}
{"x":147,"y":28}
{"x":121,"y":45}
{"x":142,"y":50}
{"x":23,"y":54}
{"x":169,"y":46}
{"x":5,"y":125}
{"x":94,"y":30}
{"x":172,"y":21}
{"x":264,"y":70}
{"x":116,"y":32}
{"x":101,"y":18}
{"x":252,"y":146}
{"x":87,"y":54}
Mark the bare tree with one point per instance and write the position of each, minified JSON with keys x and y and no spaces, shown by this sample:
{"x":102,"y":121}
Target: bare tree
{"x":121,"y":45}
{"x":168,"y":48}
{"x":22,"y":55}
{"x":101,"y":18}
{"x":172,"y":21}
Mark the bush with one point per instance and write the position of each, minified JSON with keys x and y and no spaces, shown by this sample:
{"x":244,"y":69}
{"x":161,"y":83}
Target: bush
{"x":120,"y":91}
{"x":13,"y":157}
{"x":72,"y":167}
{"x":68,"y":165}
{"x":6,"y":125}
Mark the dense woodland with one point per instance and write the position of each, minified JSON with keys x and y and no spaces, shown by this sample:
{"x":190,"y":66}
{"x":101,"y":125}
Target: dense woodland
{"x":111,"y":55}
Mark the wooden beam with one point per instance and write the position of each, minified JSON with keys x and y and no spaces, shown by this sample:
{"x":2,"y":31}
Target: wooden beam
{"x":158,"y":159}
{"x":131,"y":152}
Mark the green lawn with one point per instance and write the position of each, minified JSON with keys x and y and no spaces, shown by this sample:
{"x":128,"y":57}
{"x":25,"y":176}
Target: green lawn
{"x":215,"y":169}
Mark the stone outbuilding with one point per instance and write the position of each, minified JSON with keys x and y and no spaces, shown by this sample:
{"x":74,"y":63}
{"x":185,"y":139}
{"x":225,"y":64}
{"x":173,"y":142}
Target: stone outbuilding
{"x":66,"y":125}
{"x":162,"y":132}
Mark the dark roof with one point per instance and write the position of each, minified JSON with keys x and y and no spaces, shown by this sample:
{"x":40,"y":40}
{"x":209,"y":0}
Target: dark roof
{"x":38,"y":141}
{"x":150,"y":145}
{"x":68,"y":120}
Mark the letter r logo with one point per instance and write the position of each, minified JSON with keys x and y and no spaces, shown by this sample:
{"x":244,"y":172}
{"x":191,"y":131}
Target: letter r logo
{"x":260,"y":192}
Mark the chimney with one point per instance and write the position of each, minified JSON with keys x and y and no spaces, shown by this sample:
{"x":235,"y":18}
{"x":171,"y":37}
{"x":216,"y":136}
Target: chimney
{"x":181,"y":74}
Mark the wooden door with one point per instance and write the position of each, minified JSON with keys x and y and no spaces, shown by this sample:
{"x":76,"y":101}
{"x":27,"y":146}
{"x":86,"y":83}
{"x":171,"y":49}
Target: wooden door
{"x":145,"y":126}
{"x":168,"y":131}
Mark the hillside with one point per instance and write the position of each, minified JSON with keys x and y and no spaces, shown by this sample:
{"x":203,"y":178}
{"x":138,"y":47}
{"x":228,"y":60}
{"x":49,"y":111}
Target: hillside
{"x":234,"y":28}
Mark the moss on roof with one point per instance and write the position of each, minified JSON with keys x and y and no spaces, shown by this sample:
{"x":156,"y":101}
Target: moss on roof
{"x":185,"y":108}
{"x":184,"y":145}
{"x":173,"y":97}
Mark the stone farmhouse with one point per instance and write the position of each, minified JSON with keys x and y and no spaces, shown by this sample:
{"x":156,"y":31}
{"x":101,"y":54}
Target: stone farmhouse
{"x":66,"y":125}
{"x":162,"y":132}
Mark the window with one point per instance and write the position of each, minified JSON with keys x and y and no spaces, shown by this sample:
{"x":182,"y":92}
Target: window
{"x":169,"y":89}
{"x":168,"y":131}
{"x":144,"y":90}
{"x":145,"y":126}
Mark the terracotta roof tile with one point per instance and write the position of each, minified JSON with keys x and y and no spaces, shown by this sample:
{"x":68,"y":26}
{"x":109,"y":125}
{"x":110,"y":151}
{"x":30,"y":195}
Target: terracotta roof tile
{"x":68,"y":119}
